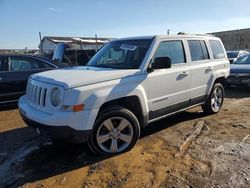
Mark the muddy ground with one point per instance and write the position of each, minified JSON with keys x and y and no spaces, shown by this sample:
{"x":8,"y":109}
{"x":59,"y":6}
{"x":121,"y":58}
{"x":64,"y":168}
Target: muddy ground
{"x":186,"y":150}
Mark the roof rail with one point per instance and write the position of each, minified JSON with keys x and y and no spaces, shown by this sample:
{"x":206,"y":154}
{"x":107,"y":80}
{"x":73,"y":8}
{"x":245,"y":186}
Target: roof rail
{"x":206,"y":34}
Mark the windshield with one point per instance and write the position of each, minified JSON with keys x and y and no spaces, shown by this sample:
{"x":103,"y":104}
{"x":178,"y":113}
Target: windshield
{"x":122,"y":54}
{"x":243,"y":60}
{"x":232,"y":54}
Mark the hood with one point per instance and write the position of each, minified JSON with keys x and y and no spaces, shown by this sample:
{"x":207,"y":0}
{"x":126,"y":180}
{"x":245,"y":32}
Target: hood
{"x":237,"y":68}
{"x":80,"y":76}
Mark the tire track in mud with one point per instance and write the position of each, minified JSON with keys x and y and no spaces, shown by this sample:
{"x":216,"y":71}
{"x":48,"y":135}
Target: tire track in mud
{"x":198,"y":127}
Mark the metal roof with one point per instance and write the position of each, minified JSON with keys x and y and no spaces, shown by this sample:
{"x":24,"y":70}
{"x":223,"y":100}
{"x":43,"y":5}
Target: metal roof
{"x":85,"y":40}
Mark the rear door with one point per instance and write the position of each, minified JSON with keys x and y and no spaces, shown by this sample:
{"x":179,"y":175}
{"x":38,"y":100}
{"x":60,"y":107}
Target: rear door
{"x":206,"y":56}
{"x":202,"y":69}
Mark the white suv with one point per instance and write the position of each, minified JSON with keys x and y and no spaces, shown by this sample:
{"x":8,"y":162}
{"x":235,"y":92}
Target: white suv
{"x":128,"y":84}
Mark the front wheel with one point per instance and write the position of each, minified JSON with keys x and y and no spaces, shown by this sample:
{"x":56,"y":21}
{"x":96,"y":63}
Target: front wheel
{"x":215,"y":100}
{"x":116,"y":130}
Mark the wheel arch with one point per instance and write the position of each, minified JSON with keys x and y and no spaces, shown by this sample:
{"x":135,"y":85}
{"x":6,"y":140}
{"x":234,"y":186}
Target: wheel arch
{"x":221,"y":80}
{"x":131,"y":103}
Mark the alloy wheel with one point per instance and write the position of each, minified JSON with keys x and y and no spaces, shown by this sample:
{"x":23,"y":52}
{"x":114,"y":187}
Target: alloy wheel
{"x":114,"y":134}
{"x":217,"y":99}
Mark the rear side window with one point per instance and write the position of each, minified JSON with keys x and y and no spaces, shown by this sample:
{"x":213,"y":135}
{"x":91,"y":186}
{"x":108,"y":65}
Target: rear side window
{"x":217,"y":49}
{"x":198,"y":50}
{"x":23,"y":63}
{"x":17,"y":63}
{"x":173,"y":50}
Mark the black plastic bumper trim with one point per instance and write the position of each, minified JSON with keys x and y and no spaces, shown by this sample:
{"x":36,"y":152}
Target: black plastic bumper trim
{"x":58,"y":132}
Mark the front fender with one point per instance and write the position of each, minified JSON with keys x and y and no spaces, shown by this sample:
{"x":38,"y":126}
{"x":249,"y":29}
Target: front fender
{"x":95,"y":95}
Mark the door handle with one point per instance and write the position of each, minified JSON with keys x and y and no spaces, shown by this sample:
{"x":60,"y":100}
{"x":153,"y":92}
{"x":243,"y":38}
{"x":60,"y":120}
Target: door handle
{"x":209,"y":69}
{"x":184,"y":73}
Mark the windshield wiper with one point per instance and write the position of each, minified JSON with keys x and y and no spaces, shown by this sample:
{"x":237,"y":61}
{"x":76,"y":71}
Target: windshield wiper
{"x":102,"y":66}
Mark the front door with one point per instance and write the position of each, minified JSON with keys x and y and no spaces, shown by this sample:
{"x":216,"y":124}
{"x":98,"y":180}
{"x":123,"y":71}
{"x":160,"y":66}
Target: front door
{"x":169,"y":89}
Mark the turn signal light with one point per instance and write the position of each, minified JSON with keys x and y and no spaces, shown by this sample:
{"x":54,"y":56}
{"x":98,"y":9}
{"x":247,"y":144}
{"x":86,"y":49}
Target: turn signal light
{"x":78,"y":108}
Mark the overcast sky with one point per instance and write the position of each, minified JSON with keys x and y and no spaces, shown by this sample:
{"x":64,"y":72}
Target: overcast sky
{"x":21,"y":20}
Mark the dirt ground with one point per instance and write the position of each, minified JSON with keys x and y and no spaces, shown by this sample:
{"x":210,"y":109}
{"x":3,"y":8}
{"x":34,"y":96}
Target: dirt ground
{"x":185,"y":150}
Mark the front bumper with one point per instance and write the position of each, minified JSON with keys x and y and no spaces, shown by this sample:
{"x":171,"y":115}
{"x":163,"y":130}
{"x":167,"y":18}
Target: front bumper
{"x":238,"y":80}
{"x":83,"y":120}
{"x":75,"y":126}
{"x":62,"y":132}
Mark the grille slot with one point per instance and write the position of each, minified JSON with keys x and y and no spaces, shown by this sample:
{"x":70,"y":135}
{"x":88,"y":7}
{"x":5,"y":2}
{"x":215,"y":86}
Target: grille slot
{"x":44,"y":97}
{"x":36,"y":94}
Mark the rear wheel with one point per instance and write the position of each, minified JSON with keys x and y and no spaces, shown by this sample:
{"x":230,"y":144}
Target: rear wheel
{"x":215,"y":100}
{"x":116,"y":130}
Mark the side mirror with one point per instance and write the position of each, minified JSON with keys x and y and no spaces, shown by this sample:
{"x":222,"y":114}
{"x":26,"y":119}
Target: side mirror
{"x":161,"y":63}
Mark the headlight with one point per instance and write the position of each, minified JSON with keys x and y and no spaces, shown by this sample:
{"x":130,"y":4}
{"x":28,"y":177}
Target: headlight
{"x":56,"y":97}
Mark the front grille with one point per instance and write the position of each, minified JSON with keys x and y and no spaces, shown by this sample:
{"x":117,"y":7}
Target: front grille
{"x":36,"y":95}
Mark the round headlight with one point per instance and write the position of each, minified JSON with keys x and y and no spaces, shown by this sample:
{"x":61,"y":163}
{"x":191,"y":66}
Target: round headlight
{"x":56,"y":97}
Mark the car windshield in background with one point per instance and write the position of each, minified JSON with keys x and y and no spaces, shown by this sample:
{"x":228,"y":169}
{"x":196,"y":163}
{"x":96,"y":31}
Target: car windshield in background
{"x":122,"y":54}
{"x":232,"y":54}
{"x":243,"y":60}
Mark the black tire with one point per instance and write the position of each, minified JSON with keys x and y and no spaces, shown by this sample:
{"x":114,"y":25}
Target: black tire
{"x":114,"y":112}
{"x":209,"y":106}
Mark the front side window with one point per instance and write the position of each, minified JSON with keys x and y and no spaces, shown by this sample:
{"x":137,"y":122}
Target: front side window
{"x":217,"y":49}
{"x":198,"y":50}
{"x":172,"y":49}
{"x":122,"y":54}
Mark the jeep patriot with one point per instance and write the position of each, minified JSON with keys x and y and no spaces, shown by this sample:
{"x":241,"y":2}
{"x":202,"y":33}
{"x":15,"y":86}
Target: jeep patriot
{"x":128,"y":84}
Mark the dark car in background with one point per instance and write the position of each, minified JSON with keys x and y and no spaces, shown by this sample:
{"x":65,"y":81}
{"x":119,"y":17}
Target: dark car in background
{"x":15,"y":71}
{"x":240,"y":72}
{"x":234,"y":55}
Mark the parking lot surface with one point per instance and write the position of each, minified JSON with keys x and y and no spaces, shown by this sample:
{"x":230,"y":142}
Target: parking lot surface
{"x":185,"y":150}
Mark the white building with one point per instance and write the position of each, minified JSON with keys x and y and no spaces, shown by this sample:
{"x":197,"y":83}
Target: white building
{"x":48,"y":44}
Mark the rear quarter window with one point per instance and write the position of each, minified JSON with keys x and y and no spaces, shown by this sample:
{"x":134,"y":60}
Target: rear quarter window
{"x":217,"y":49}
